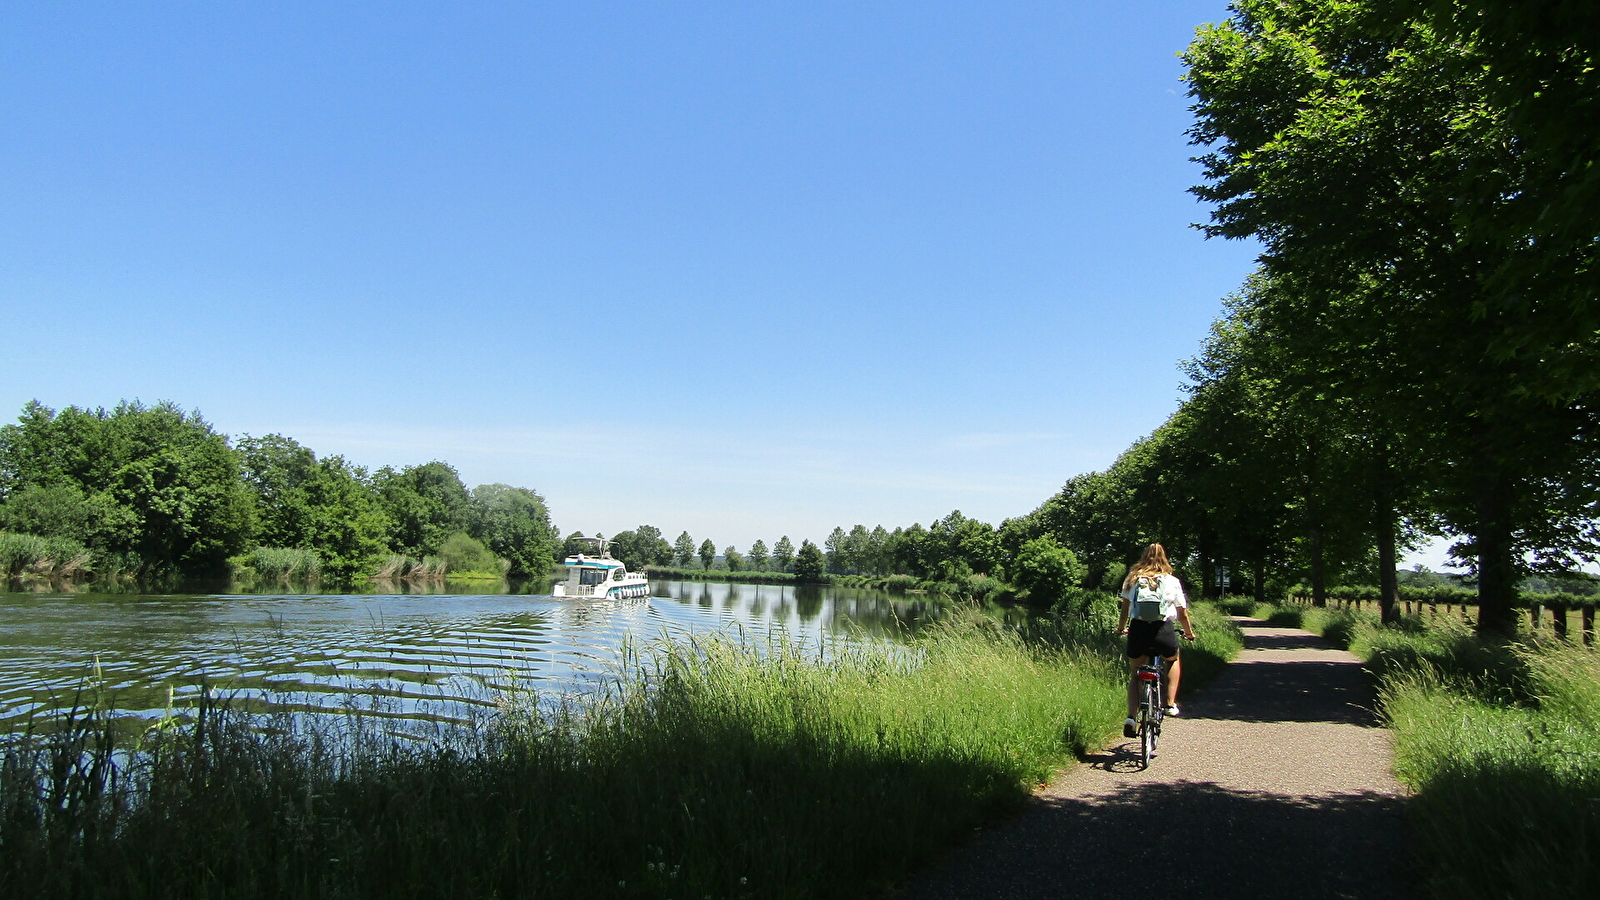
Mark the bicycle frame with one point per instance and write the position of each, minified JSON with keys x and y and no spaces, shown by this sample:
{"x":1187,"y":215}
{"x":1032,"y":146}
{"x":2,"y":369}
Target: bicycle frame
{"x":1151,"y":710}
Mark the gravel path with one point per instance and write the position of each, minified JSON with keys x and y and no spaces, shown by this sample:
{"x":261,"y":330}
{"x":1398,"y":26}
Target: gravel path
{"x":1276,"y":782}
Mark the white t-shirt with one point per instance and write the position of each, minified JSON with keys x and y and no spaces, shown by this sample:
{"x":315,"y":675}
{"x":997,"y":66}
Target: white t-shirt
{"x":1170,"y":589}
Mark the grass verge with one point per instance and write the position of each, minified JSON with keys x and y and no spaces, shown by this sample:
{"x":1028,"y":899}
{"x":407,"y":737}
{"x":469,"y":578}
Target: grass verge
{"x":1501,"y":744}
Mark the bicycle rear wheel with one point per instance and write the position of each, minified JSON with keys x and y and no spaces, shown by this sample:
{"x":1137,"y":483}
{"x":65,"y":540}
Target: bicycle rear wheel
{"x":1149,"y":730}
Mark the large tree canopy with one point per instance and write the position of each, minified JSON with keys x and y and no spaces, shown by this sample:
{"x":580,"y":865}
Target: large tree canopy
{"x":156,"y":482}
{"x":1389,"y":174}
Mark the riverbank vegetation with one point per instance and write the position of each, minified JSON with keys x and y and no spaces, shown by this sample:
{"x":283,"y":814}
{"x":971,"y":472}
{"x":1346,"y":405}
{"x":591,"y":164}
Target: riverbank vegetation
{"x":1500,"y":740}
{"x":707,"y":769}
{"x":142,"y":490}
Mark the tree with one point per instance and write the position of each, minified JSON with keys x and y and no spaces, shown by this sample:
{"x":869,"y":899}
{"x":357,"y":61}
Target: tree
{"x":734,"y":559}
{"x":644,"y":546}
{"x":783,"y":554}
{"x":837,"y":553}
{"x":576,"y":543}
{"x":683,"y":551}
{"x":808,"y":563}
{"x":1401,"y":188}
{"x":876,"y":554}
{"x":55,"y":510}
{"x":758,"y":556}
{"x":154,"y":481}
{"x":708,"y":552}
{"x":344,"y":524}
{"x":515,"y":524}
{"x":1047,"y":571}
{"x":277,"y":468}
{"x":426,"y":503}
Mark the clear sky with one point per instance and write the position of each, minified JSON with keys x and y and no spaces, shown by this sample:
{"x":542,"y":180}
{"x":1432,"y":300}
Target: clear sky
{"x":743,"y":269}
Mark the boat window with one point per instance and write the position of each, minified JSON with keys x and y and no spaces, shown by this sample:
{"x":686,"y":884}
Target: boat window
{"x":616,"y":574}
{"x":591,"y":576}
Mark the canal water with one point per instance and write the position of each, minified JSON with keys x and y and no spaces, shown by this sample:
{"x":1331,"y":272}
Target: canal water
{"x":417,"y":656}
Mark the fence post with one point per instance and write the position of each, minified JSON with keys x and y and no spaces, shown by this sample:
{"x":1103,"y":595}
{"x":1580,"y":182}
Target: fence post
{"x":1558,"y":620}
{"x":1587,"y":619}
{"x":1533,"y":616}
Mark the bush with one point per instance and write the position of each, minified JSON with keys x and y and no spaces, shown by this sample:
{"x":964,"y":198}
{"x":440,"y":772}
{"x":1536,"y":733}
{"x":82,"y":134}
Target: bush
{"x":1046,"y":571}
{"x":462,"y":554}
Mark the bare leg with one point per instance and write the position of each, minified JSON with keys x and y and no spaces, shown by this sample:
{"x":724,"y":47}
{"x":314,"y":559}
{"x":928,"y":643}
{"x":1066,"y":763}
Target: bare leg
{"x":1133,"y":684}
{"x":1173,"y":672}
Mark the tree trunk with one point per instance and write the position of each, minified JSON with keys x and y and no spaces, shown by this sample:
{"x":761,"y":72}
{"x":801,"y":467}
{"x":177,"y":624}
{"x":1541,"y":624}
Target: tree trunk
{"x":1313,"y":483}
{"x":1260,"y":592}
{"x":1319,"y":569}
{"x":1388,"y":578}
{"x":1208,"y":566}
{"x":1497,"y":572}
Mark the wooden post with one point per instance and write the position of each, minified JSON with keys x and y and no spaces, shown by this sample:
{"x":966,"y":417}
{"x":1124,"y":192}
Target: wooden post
{"x":1533,"y":616}
{"x":1558,"y":620}
{"x":1588,"y":626}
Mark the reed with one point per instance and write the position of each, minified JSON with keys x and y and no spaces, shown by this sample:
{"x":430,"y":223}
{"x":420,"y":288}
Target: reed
{"x":279,"y":564}
{"x":712,"y":767}
{"x":32,"y":555}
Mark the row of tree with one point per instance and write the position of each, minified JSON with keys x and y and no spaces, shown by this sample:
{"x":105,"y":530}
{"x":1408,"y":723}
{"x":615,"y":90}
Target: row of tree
{"x":1419,"y":350}
{"x":951,"y":550}
{"x":156,"y":488}
{"x":952,"y":546}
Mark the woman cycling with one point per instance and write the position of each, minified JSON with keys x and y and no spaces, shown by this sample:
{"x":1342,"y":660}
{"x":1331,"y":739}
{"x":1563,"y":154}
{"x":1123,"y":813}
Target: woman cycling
{"x":1149,"y":636}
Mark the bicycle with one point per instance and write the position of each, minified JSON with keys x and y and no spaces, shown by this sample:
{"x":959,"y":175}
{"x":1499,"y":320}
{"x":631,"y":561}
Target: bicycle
{"x":1151,"y":711}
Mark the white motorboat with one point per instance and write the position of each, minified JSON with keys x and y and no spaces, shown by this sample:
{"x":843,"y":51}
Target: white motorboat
{"x":600,"y":575}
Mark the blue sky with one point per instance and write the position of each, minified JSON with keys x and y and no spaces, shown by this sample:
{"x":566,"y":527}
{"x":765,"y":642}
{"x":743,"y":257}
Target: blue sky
{"x":739,"y":269}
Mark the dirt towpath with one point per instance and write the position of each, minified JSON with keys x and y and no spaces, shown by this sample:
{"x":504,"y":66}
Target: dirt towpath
{"x":1275,"y":782}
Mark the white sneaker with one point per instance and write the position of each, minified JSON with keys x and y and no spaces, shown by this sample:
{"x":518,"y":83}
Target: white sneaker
{"x":1172,"y":710}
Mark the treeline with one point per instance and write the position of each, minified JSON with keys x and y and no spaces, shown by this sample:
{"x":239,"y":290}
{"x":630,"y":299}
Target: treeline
{"x":955,"y":554}
{"x":1419,"y":351}
{"x":151,"y":490}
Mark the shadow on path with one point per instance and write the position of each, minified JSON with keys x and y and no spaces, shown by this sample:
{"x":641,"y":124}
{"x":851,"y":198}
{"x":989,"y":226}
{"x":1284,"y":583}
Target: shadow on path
{"x":1275,"y":783}
{"x":1186,"y":840}
{"x":1264,"y":690}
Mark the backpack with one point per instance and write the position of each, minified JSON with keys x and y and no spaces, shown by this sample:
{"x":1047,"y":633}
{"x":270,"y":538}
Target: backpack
{"x":1146,"y":604}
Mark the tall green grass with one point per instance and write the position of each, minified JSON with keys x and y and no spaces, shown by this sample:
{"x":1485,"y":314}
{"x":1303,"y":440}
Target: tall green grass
{"x":1501,"y":742}
{"x":713,"y":768}
{"x":28,"y":554}
{"x":278,"y":564}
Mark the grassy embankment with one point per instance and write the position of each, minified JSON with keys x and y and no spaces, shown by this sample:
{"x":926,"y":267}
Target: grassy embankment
{"x":1501,"y":743}
{"x":711,"y":769}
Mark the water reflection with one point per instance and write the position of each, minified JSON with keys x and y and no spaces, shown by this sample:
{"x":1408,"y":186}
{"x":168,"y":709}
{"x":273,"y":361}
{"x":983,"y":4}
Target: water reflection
{"x":424,"y":654}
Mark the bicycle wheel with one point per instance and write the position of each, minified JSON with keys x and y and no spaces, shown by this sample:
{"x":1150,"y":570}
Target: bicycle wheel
{"x":1148,"y":729}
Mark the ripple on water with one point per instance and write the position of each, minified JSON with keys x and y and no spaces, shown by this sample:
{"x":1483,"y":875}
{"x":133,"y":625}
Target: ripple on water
{"x":421,"y":656}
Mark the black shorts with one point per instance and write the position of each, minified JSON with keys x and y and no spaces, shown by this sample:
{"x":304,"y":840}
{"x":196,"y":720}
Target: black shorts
{"x":1152,"y":639}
